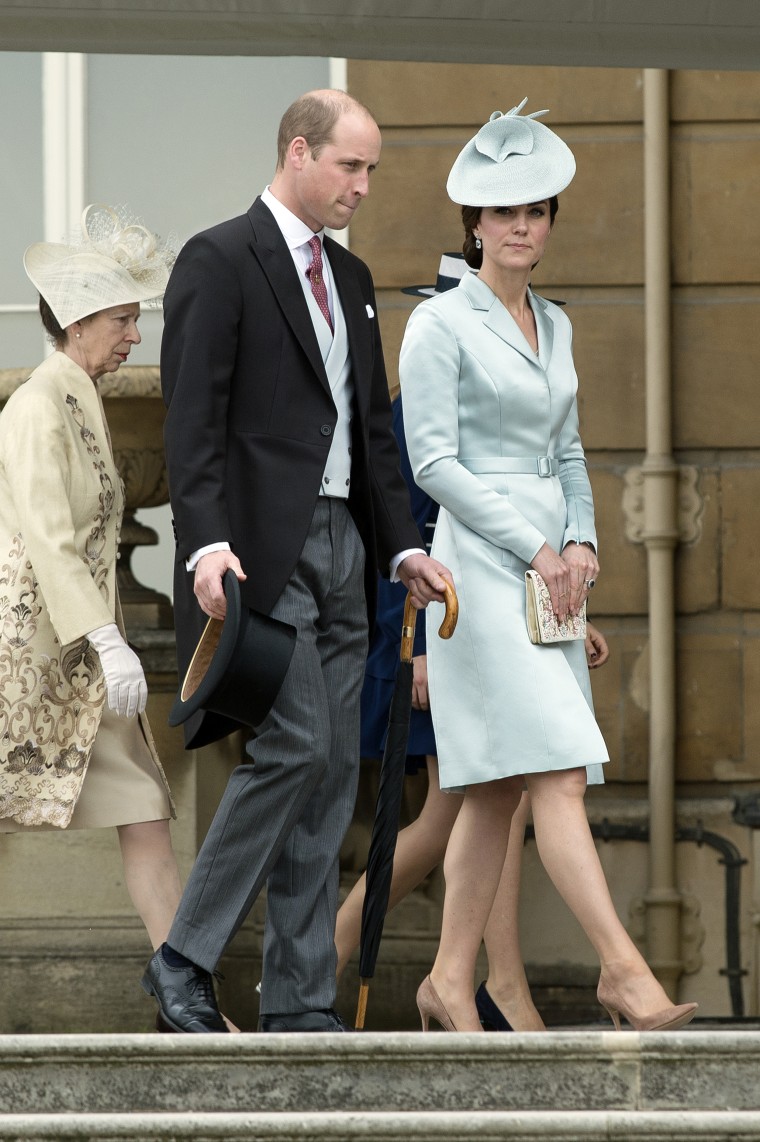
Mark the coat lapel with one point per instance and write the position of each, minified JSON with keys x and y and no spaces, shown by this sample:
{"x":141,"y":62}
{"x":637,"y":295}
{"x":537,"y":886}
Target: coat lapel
{"x":499,"y":320}
{"x":545,"y":327}
{"x":269,"y":247}
{"x":75,"y":385}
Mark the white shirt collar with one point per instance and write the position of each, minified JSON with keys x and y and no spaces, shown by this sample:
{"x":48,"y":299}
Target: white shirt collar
{"x":295,"y":232}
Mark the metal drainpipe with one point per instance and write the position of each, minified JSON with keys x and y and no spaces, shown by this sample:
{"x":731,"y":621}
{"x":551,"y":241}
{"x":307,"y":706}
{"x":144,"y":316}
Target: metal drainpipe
{"x":660,"y":535}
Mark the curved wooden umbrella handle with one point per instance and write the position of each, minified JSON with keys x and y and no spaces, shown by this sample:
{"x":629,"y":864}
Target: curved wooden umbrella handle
{"x":445,"y":630}
{"x":448,"y":626}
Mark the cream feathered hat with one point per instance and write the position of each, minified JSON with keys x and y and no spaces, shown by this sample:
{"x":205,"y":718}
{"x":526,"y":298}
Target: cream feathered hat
{"x":116,"y":261}
{"x":511,"y":161}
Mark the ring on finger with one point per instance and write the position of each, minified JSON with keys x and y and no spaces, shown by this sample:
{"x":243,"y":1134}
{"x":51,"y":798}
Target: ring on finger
{"x":590,"y":584}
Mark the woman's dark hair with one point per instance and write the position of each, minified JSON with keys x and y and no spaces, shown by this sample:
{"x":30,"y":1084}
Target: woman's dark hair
{"x":470,"y":219}
{"x":50,"y":322}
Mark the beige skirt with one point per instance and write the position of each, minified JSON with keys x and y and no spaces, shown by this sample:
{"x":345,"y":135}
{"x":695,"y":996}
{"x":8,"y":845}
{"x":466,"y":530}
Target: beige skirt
{"x":122,"y":785}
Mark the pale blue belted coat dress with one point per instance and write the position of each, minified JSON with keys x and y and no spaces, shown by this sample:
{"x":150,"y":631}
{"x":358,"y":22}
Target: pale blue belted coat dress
{"x":492,"y":431}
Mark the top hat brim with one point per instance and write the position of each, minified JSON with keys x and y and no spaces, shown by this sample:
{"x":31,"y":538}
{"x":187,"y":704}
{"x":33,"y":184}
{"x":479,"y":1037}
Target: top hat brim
{"x":451,"y":271}
{"x":238,"y":666}
{"x":422,"y":290}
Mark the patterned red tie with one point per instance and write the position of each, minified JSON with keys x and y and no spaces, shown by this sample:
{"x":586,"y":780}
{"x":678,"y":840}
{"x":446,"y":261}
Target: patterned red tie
{"x":316,"y":278}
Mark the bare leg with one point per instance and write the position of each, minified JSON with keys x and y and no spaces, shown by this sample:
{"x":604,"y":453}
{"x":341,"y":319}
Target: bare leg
{"x":419,"y":848}
{"x":569,"y":855}
{"x":152,"y":878}
{"x":507,"y":984}
{"x":473,"y":866}
{"x":151,"y":875}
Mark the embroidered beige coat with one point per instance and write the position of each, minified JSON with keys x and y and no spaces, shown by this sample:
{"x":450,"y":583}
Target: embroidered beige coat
{"x":61,"y":505}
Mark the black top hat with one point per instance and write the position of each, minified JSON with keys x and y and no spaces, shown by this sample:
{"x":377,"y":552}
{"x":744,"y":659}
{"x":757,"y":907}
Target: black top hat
{"x":239,"y":664}
{"x":450,"y":271}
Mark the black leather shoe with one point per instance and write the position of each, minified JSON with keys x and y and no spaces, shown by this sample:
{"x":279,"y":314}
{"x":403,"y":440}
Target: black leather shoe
{"x":186,"y":1000}
{"x":490,"y":1016}
{"x":327,"y":1020}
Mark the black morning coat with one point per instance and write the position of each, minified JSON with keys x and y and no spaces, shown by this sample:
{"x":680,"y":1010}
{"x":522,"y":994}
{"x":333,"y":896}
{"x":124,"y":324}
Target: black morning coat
{"x":250,"y":419}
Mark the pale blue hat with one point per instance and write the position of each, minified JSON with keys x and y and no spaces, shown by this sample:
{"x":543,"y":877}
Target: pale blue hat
{"x":511,"y":161}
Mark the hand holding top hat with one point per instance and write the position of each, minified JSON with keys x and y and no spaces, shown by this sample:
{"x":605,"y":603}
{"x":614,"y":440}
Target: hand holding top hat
{"x":239,"y":664}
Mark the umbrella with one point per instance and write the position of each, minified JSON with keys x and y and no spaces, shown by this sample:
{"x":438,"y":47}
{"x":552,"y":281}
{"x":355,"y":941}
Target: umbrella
{"x":388,"y":806}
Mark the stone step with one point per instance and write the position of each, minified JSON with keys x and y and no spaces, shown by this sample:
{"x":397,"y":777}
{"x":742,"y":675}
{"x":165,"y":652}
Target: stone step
{"x":449,"y":1126}
{"x":371,"y":1073}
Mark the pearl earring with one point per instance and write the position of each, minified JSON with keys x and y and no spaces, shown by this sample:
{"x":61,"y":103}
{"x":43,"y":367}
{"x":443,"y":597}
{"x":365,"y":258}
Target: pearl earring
{"x":79,"y":334}
{"x":478,"y":244}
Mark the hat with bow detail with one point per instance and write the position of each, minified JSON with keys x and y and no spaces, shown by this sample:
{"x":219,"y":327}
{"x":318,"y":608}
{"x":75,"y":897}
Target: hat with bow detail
{"x":513,"y":160}
{"x":114,"y":261}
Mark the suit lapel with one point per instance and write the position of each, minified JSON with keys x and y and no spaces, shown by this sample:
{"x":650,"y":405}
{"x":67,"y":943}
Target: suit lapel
{"x":275,"y":259}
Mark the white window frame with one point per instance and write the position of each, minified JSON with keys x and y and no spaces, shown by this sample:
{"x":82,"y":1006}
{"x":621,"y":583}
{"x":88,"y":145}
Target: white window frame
{"x":64,"y":150}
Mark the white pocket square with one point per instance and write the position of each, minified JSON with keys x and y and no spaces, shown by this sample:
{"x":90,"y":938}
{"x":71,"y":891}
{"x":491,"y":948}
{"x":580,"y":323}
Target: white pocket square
{"x":370,"y":311}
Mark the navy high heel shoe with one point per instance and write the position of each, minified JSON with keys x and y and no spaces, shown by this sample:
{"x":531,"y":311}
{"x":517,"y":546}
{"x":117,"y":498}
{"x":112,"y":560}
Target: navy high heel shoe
{"x":490,"y":1016}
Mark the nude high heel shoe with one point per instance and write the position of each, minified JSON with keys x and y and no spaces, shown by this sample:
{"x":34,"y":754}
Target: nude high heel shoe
{"x":429,"y":1003}
{"x":669,"y":1019}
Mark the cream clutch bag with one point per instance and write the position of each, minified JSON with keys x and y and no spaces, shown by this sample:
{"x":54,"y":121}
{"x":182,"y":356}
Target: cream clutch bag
{"x":543,"y":626}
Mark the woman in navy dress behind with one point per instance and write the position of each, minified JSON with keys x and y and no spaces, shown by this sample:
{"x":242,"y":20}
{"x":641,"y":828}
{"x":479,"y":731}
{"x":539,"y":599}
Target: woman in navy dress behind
{"x":383,"y":657}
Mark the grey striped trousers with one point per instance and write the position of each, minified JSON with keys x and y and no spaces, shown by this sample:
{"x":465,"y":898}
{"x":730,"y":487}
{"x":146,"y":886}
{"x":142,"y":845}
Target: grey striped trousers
{"x":283,"y":815}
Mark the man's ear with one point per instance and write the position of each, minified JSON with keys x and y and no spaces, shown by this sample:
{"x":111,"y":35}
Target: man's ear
{"x":299,"y":151}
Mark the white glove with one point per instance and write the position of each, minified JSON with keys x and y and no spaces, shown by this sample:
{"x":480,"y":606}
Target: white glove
{"x":126,"y":687}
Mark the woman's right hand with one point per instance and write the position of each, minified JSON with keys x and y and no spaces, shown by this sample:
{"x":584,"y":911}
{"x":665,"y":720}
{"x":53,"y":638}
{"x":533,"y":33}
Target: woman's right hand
{"x":556,"y":574}
{"x":126,"y":688}
{"x":597,"y":650}
{"x":420,"y":700}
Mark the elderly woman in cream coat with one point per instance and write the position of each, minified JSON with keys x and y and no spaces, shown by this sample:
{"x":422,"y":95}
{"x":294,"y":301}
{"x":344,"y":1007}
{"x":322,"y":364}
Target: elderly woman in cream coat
{"x":489,"y":391}
{"x":76,"y":750}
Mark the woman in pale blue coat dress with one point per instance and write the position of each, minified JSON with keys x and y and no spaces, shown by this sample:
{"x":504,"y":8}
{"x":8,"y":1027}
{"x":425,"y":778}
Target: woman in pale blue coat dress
{"x":492,"y":428}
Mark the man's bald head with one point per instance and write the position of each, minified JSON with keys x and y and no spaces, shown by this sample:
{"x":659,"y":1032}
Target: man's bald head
{"x":313,"y":117}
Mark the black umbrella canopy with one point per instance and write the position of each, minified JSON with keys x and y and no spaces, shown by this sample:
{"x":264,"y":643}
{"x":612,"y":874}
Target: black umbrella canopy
{"x":385,"y":828}
{"x":382,"y":847}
